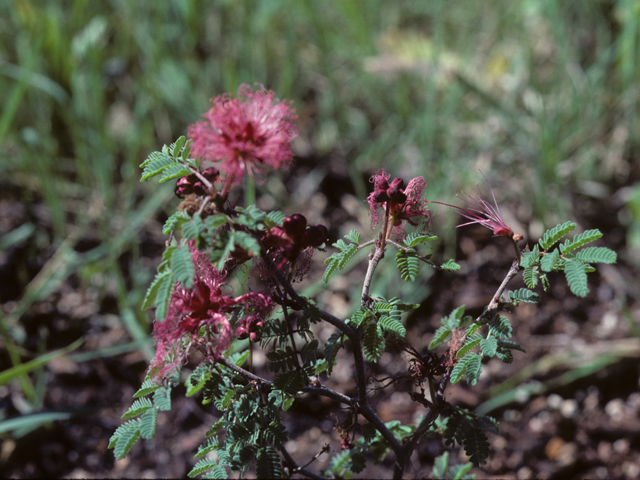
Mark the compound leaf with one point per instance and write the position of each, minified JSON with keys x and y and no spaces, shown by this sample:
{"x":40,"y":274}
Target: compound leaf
{"x":138,"y":408}
{"x":580,"y":240}
{"x":182,"y":265}
{"x":552,"y":236}
{"x":408,"y":264}
{"x":373,"y":342}
{"x":268,"y":464}
{"x":576,"y":276}
{"x":597,"y":255}
{"x":148,"y":423}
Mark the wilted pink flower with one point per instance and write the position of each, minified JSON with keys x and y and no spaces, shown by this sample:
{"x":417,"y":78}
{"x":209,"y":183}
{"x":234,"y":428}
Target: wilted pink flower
{"x":405,"y":204}
{"x":247,"y":134}
{"x":203,"y":305}
{"x":483,"y":213}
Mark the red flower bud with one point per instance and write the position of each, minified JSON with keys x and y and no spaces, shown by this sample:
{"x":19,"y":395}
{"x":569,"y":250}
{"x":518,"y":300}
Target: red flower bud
{"x":295,"y":225}
{"x":315,"y":236}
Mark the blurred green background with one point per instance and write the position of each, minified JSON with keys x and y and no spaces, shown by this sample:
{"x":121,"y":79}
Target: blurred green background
{"x":541,"y":95}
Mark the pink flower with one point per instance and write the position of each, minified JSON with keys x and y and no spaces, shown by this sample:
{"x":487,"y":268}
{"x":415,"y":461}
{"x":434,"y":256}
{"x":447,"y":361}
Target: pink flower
{"x":483,"y":213}
{"x":247,"y":134}
{"x":202,"y":307}
{"x":404,"y":204}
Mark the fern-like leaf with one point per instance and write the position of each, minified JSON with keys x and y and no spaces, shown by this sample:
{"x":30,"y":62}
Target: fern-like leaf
{"x":156,"y":164}
{"x":597,"y":255}
{"x":548,"y":262}
{"x":202,"y":466}
{"x":500,"y":327}
{"x":175,"y":221}
{"x":531,"y":276}
{"x":268,"y":464}
{"x":162,"y":399}
{"x":373,"y":342}
{"x":576,"y":276}
{"x":476,"y":446}
{"x":471,"y":342}
{"x":182,"y":266}
{"x":154,"y":288}
{"x":580,"y":240}
{"x":416,"y":238}
{"x":127,"y":439}
{"x":458,"y":370}
{"x":408,"y":264}
{"x":554,"y":235}
{"x":450,"y":265}
{"x":282,"y":359}
{"x":148,"y":423}
{"x":291,"y":382}
{"x":523,"y":295}
{"x":473,"y":368}
{"x":441,"y":334}
{"x":353,"y":237}
{"x":275,"y":218}
{"x":138,"y":408}
{"x":339,"y":259}
{"x":489,"y":346}
{"x":174,"y":171}
{"x":392,"y":326}
{"x":146,"y":388}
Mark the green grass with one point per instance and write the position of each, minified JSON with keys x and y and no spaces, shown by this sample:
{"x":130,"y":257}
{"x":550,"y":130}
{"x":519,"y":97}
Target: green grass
{"x":541,"y":95}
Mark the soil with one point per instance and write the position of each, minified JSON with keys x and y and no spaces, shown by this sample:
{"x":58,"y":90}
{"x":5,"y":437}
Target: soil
{"x":576,"y":417}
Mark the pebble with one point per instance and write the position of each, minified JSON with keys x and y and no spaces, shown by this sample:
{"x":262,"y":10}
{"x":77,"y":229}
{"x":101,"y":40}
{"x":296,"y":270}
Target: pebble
{"x":569,"y":408}
{"x":615,"y":409}
{"x":554,"y":401}
{"x":621,"y":446}
{"x":524,"y":473}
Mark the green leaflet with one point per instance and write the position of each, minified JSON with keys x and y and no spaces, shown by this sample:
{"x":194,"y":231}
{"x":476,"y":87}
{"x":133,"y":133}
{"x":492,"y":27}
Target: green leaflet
{"x":182,"y":265}
{"x":489,"y":346}
{"x":291,"y":382}
{"x":146,"y":388}
{"x":548,"y":261}
{"x":597,"y":255}
{"x":471,"y":342}
{"x":268,"y":464}
{"x":574,"y":272}
{"x":148,"y":423}
{"x":175,"y":222}
{"x":138,"y":408}
{"x":408,"y":264}
{"x":450,"y":265}
{"x":552,"y":236}
{"x":416,"y":238}
{"x":338,"y":260}
{"x":580,"y":240}
{"x":441,"y":334}
{"x":373,"y":342}
{"x":392,"y":326}
{"x":523,"y":295}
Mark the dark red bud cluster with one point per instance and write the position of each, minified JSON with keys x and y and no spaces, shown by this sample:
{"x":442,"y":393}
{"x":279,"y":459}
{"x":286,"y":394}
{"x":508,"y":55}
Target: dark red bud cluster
{"x":192,"y":184}
{"x":250,"y":328}
{"x":294,"y":236}
{"x":390,"y":192}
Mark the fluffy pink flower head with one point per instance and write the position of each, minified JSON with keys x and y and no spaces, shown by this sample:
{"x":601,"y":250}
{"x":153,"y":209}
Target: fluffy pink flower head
{"x":483,"y":213}
{"x":247,"y":134}
{"x":404,"y":203}
{"x":203,"y":305}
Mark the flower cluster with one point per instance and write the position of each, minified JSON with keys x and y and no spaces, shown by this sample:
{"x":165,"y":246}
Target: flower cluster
{"x":199,"y":317}
{"x":193,"y":184}
{"x":400,"y":202}
{"x":246,"y":134}
{"x":293,"y":237}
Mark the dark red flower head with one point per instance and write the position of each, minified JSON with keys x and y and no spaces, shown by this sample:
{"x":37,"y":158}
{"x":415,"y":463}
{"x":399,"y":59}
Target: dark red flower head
{"x":404,"y":203}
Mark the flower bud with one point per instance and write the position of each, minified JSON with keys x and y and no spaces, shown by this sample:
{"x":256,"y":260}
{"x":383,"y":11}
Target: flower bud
{"x":295,"y":225}
{"x":183,"y":187}
{"x":315,"y":236}
{"x":211,"y":174}
{"x":199,"y":189}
